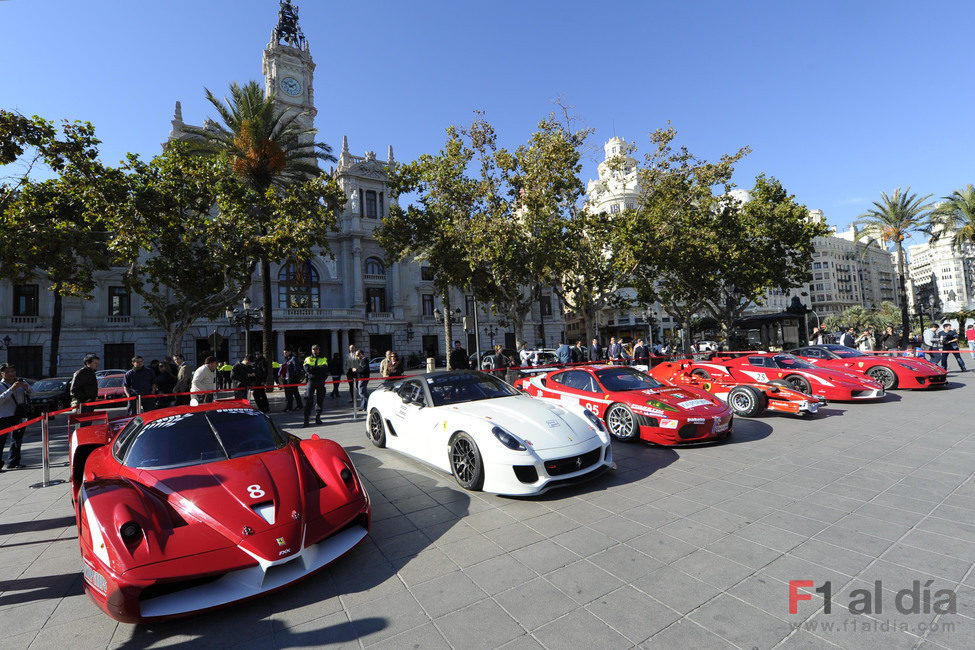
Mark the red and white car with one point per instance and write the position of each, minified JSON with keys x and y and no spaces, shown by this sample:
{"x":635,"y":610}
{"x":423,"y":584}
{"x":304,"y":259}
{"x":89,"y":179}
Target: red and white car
{"x":634,"y":405}
{"x":891,"y":372}
{"x":793,"y":372}
{"x":188,"y":508}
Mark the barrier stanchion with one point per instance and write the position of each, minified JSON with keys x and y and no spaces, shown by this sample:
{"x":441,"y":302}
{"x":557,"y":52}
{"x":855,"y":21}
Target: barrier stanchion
{"x":355,"y":399}
{"x":138,"y":404}
{"x":46,"y":458}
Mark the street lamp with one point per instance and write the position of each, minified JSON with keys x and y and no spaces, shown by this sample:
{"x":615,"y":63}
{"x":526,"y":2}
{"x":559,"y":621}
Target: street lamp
{"x":932,"y":303}
{"x":491,"y":331}
{"x":245,"y":318}
{"x":409,"y":331}
{"x":6,"y":342}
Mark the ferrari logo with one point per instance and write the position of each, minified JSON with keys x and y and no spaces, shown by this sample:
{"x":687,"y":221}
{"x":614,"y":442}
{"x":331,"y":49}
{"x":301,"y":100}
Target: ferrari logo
{"x":280,"y":541}
{"x":578,"y":462}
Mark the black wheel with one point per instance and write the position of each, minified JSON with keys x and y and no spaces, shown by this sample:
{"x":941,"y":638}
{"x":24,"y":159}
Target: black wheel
{"x":466,"y":463}
{"x":747,"y":401}
{"x":376,"y":428}
{"x":884,"y":375}
{"x":799,"y":383}
{"x":701,"y":372}
{"x":622,"y":423}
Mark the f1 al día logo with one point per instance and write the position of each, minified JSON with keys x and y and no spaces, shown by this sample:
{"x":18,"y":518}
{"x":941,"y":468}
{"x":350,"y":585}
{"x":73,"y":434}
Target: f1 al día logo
{"x":917,"y":599}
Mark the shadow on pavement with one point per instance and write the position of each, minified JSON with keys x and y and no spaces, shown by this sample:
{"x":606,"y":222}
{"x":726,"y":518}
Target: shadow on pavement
{"x":27,"y":590}
{"x":35,"y":525}
{"x":748,"y":431}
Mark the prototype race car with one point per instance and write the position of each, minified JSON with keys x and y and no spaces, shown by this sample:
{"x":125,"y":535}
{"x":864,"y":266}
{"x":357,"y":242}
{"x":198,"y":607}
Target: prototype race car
{"x":635,"y":405}
{"x":487,"y":434}
{"x":193,"y":507}
{"x":793,"y":372}
{"x":891,"y":372}
{"x":746,"y":398}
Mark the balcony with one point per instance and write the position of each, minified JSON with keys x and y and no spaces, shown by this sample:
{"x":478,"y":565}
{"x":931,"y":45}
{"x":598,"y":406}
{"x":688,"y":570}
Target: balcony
{"x":116,"y":321}
{"x":380,"y":315}
{"x":316,"y":313}
{"x":374,"y":277}
{"x":23,"y":320}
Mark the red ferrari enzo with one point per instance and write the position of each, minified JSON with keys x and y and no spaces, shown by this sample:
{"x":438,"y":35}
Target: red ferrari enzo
{"x":635,"y":405}
{"x":793,"y":372}
{"x":891,"y":372}
{"x":193,"y":507}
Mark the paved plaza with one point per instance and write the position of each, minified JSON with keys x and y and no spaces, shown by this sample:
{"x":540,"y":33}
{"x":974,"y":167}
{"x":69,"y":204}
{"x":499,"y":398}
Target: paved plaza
{"x":690,"y":547}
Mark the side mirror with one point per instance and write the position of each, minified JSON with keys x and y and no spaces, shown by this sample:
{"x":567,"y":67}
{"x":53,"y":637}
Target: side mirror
{"x":406,"y":399}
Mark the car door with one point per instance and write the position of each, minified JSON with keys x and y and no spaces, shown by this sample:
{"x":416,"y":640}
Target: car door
{"x":579,"y":387}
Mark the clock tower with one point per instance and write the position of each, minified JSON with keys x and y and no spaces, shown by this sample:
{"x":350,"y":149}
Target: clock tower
{"x":288,"y":66}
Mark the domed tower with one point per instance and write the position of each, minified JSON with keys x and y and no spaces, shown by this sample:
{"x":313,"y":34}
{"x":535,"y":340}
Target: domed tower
{"x":618,"y":187}
{"x":288,"y":67}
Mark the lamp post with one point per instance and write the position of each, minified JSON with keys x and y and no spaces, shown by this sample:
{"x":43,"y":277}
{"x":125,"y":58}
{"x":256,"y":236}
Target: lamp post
{"x":919,"y":310}
{"x":245,"y":318}
{"x":452,"y":317}
{"x":932,"y":303}
{"x":409,"y":331}
{"x":7,"y":341}
{"x":491,"y":331}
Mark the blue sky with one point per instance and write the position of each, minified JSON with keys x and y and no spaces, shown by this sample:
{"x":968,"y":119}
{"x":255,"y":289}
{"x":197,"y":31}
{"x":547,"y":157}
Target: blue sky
{"x":839,"y":100}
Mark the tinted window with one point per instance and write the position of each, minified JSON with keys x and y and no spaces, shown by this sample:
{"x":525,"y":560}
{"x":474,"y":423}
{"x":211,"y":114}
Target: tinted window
{"x":576,"y":379}
{"x":125,"y":437}
{"x":842,"y":351}
{"x":411,"y":391}
{"x":813,"y":353}
{"x":454,"y":389}
{"x":110,"y":382}
{"x":789,"y":361}
{"x":193,"y":438}
{"x":759,"y":362}
{"x":48,"y":385}
{"x":617,"y":379}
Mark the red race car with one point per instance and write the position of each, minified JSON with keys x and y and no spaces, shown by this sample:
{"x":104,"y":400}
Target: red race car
{"x":111,"y":387}
{"x":791,"y":371}
{"x":746,"y":398}
{"x":634,"y":405}
{"x":891,"y":372}
{"x":193,"y":507}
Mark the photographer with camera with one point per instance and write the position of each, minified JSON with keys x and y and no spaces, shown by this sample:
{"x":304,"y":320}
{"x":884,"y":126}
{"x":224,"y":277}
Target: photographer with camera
{"x":14,"y":409}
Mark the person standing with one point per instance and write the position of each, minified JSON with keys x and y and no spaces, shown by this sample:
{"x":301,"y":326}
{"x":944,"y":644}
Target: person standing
{"x":336,"y":365}
{"x":243,"y":376}
{"x":224,"y":371}
{"x":595,"y":351}
{"x":260,"y":378}
{"x":459,"y":359}
{"x":204,"y":379}
{"x":970,"y":335}
{"x":889,"y":340}
{"x":396,"y":367}
{"x":641,"y":355}
{"x":288,"y":375}
{"x":615,"y":351}
{"x":163,"y":385}
{"x":949,"y":343}
{"x":563,"y":354}
{"x":361,"y":372}
{"x":499,"y":361}
{"x":13,"y":410}
{"x":184,"y":377}
{"x":316,"y":371}
{"x":84,"y":385}
{"x":138,"y":383}
{"x":933,"y":342}
{"x":351,"y":361}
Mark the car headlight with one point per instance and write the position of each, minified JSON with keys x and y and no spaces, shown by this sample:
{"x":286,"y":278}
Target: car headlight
{"x":596,"y":422}
{"x":507,"y":439}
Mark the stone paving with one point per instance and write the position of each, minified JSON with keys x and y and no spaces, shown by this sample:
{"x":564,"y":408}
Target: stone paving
{"x":690,"y":547}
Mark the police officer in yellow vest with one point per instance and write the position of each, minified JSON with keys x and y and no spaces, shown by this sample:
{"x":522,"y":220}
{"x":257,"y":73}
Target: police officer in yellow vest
{"x":316,"y":369}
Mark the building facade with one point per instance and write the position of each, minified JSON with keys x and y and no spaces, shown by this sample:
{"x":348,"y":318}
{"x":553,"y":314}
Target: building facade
{"x":942,"y":276}
{"x":348,"y":295}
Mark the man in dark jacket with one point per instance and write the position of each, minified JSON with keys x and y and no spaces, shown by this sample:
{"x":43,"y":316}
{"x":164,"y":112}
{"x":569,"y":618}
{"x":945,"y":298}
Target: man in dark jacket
{"x":288,"y":375}
{"x":351,"y":361}
{"x":164,"y":385}
{"x":499,"y":361}
{"x":260,"y":379}
{"x":84,"y":385}
{"x":641,"y":355}
{"x":138,"y":383}
{"x":316,"y":370}
{"x":243,"y":376}
{"x":361,"y":373}
{"x":576,"y":353}
{"x":459,"y":359}
{"x":595,"y":351}
{"x":949,"y":341}
{"x":184,"y":376}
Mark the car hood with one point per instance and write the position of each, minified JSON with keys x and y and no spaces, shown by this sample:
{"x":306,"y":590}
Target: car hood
{"x":685,"y":399}
{"x":545,"y":425}
{"x":254,"y":501}
{"x":46,"y":394}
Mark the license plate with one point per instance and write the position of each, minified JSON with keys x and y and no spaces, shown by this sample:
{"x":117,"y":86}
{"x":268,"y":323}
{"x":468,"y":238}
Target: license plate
{"x":94,"y":578}
{"x":719,"y":426}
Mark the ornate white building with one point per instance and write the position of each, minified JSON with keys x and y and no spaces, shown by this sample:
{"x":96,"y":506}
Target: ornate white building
{"x":351,"y":296}
{"x":943,"y":272}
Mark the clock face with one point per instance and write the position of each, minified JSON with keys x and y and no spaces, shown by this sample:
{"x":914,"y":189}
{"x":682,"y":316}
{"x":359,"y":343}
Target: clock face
{"x":291,"y":86}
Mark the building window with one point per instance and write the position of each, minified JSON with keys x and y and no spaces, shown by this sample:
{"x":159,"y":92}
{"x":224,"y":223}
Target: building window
{"x":371,"y":205}
{"x":362,"y":205}
{"x":382,"y":205}
{"x":817,"y":265}
{"x":118,"y":355}
{"x":545,"y":304}
{"x":375,"y":299}
{"x":426,"y":274}
{"x":469,"y":306}
{"x":298,"y":286}
{"x":25,"y":300}
{"x":118,"y":302}
{"x":427,"y":304}
{"x":375,"y":266}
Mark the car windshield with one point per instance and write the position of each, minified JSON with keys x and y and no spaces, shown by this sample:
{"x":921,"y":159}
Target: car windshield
{"x":789,"y":361}
{"x":842,"y":351}
{"x":617,"y":379}
{"x":455,"y":389}
{"x":202,"y":437}
{"x":110,"y":382}
{"x":48,"y":384}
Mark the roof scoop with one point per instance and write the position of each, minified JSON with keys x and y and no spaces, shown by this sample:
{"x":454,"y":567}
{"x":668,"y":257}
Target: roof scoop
{"x":265,"y":510}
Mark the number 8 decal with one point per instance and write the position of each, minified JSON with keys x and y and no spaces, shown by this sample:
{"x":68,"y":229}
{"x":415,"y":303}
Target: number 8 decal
{"x":255,"y":491}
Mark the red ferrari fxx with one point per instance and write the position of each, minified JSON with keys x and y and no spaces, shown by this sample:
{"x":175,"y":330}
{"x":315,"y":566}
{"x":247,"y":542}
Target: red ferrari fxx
{"x":793,"y":372}
{"x":746,"y":398}
{"x":891,"y":372}
{"x":634,"y":405}
{"x":194,"y":507}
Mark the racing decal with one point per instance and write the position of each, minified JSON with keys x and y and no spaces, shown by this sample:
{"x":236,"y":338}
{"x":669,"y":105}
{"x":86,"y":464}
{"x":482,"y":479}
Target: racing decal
{"x":552,"y":424}
{"x":691,"y":403}
{"x":668,"y":424}
{"x":280,"y":541}
{"x":255,"y":491}
{"x":707,"y":386}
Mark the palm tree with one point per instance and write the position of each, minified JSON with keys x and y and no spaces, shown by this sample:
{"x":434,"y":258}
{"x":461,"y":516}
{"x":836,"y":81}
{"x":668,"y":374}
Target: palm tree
{"x":891,"y":220}
{"x":955,"y":216}
{"x":266,"y":146}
